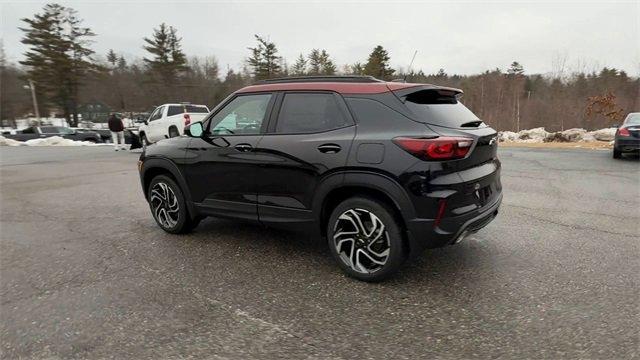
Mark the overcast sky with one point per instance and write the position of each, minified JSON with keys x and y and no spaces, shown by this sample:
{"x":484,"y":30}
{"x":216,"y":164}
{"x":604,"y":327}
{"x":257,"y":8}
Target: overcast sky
{"x":461,"y":37}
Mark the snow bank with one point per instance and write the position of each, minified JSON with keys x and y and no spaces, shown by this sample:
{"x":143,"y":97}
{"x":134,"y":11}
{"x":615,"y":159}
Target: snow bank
{"x":50,"y":141}
{"x":9,"y":142}
{"x":604,"y":134}
{"x":539,"y":135}
{"x":533,"y":135}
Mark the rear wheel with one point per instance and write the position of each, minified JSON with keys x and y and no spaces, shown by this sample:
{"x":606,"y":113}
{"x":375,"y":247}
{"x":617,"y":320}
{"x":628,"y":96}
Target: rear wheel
{"x":617,"y":154}
{"x":366,"y":239}
{"x":168,"y":206}
{"x":173,"y":132}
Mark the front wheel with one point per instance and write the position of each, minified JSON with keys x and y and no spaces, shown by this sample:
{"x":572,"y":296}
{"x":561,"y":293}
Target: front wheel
{"x":366,"y":239}
{"x":168,"y":206}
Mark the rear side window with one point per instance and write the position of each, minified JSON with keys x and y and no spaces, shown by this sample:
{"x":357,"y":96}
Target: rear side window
{"x":49,"y":130}
{"x":375,"y":115}
{"x":174,"y":110}
{"x":309,"y":113}
{"x":29,"y":130}
{"x":440,"y":107}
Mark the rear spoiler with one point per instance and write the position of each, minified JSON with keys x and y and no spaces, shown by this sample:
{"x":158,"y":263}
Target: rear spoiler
{"x":432,"y":92}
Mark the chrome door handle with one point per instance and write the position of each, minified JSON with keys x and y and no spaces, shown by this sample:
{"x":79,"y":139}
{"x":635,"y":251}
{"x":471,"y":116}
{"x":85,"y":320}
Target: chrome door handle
{"x":243,"y":147}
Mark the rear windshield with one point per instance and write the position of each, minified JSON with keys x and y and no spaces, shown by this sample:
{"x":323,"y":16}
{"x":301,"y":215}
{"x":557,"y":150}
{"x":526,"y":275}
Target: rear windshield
{"x":442,"y":108}
{"x":196,"y":109}
{"x":180,"y":109}
{"x":633,"y":119}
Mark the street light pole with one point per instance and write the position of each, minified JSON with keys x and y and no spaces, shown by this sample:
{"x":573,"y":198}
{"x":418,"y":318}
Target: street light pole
{"x":32,"y":86}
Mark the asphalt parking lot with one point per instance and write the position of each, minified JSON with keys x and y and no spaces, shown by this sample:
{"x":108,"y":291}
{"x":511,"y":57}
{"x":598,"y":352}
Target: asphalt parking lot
{"x":86,"y":273}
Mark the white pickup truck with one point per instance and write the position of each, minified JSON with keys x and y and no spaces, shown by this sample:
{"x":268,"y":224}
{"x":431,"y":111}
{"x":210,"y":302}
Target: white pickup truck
{"x":169,"y":120}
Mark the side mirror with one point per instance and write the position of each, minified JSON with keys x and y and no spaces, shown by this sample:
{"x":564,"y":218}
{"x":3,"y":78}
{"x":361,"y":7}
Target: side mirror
{"x":194,"y":130}
{"x":146,"y":122}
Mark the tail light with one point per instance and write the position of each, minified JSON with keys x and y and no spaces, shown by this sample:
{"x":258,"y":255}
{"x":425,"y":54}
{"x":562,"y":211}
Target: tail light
{"x":187,"y":119}
{"x":624,"y":132}
{"x":440,"y":148}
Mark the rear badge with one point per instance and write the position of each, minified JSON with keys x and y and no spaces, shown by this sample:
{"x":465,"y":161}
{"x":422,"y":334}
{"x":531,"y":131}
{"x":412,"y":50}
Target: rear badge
{"x":493,"y":140}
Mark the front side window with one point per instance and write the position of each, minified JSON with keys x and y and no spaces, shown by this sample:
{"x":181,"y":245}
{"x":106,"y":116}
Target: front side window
{"x":309,"y":113}
{"x":244,"y":115}
{"x":157,"y":114}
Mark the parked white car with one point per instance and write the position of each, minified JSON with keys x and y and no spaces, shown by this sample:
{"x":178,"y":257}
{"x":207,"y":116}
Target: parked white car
{"x":169,"y":120}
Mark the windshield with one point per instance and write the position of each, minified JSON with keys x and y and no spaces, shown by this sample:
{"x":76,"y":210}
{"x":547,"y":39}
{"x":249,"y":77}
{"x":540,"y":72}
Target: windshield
{"x":633,"y":119}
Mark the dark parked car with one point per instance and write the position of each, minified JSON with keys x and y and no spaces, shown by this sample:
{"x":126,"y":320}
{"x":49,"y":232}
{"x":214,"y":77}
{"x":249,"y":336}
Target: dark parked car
{"x":129,"y":137}
{"x":39,"y":132}
{"x":628,"y":136}
{"x":383,"y":170}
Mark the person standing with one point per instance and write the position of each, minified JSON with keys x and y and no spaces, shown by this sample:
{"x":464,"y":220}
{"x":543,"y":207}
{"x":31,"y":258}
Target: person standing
{"x":117,"y":131}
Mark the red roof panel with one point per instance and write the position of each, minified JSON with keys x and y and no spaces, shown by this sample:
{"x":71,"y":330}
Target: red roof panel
{"x":339,"y":87}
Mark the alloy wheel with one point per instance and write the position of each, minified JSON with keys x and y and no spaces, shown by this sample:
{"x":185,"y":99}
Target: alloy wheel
{"x":165,"y":205}
{"x":361,"y":240}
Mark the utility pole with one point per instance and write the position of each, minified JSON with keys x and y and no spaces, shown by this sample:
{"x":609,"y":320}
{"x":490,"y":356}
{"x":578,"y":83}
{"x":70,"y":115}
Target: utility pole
{"x":32,"y":87}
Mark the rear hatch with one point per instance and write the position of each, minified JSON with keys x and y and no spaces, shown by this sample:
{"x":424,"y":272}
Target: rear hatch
{"x":441,"y":110}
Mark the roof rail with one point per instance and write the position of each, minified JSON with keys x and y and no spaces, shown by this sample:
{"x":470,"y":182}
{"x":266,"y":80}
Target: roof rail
{"x":322,"y":78}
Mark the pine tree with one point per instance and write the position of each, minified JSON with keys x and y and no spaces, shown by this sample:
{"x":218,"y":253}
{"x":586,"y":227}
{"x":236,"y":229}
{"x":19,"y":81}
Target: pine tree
{"x":515,"y":69}
{"x":122,"y":63}
{"x":264,"y":60}
{"x":300,"y":67}
{"x":378,"y":64}
{"x":357,"y":69}
{"x":112,"y":58}
{"x":326,"y":64}
{"x":59,"y":57}
{"x":315,"y":62}
{"x":167,"y":60}
{"x":320,"y":63}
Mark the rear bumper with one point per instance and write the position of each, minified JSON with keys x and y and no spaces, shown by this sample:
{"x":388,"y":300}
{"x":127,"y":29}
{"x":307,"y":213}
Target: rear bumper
{"x":627,"y":144}
{"x":422,"y":233}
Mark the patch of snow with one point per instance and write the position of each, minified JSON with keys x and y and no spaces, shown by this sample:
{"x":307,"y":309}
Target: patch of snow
{"x":10,"y":142}
{"x":608,"y":134}
{"x":50,"y":141}
{"x":539,"y":135}
{"x":507,"y":136}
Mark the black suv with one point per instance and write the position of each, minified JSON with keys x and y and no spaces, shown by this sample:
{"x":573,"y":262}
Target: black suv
{"x":383,"y":170}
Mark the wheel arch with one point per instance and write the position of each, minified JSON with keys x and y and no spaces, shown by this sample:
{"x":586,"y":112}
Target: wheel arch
{"x":334,"y":190}
{"x":160,"y":166}
{"x":173,"y":126}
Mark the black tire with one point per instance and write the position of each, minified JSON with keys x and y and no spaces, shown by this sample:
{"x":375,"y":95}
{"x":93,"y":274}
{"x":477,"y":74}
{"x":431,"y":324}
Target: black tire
{"x":182,"y":222}
{"x":617,"y":154}
{"x":356,"y":207}
{"x":173,"y":132}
